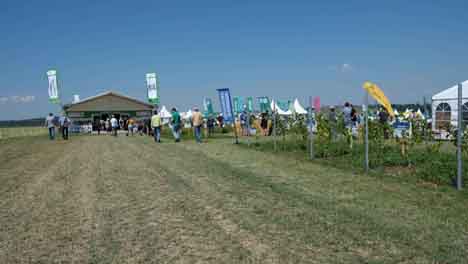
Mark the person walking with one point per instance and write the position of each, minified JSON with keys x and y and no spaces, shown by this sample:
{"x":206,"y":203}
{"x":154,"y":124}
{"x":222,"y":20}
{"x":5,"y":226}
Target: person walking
{"x":197,"y":121}
{"x":264,"y":123}
{"x":210,"y":123}
{"x":65,"y":124}
{"x":107,"y":125}
{"x":244,"y":123}
{"x":156,"y":125}
{"x":115,"y":125}
{"x":347,"y":114}
{"x":220,"y":120}
{"x":130,"y":126}
{"x":176,"y":124}
{"x":49,"y":123}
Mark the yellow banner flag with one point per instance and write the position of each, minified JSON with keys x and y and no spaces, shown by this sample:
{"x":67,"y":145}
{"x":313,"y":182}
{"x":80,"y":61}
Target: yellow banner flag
{"x":379,"y":96}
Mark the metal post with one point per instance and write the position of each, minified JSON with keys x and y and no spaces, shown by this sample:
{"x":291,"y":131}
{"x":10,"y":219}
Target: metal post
{"x":235,"y":128}
{"x":459,"y":138}
{"x":274,"y":124}
{"x":311,"y":133}
{"x":366,"y":138}
{"x":248,"y":129}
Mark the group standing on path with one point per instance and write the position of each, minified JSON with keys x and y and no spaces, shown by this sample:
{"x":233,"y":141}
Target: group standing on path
{"x":63,"y":122}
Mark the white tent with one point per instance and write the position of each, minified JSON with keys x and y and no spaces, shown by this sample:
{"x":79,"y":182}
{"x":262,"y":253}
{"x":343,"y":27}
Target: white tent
{"x":396,"y":112}
{"x":187,"y":114}
{"x":298,"y":108}
{"x":274,"y":107}
{"x":445,"y":106}
{"x":420,"y":114}
{"x":164,"y":113}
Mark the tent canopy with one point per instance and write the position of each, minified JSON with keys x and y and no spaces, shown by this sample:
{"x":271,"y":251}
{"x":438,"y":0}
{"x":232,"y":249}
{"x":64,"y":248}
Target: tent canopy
{"x":298,"y":108}
{"x":452,"y":92}
{"x":274,"y":107}
{"x":164,"y":113}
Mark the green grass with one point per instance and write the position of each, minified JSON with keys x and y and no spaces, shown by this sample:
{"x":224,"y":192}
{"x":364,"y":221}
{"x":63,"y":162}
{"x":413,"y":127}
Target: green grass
{"x":11,"y":132}
{"x":100,"y":199}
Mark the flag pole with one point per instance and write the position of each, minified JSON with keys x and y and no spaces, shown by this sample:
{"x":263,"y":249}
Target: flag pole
{"x":311,"y":133}
{"x":366,"y":138}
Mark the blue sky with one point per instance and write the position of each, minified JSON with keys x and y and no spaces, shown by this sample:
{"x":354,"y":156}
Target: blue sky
{"x":283,"y":49}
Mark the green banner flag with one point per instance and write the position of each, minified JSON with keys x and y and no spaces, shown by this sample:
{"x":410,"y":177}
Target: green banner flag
{"x":250,"y":104}
{"x":207,"y":107}
{"x":264,"y":103}
{"x":238,"y":106}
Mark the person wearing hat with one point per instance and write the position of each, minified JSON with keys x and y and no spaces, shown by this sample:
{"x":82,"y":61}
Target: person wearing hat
{"x":197,"y":121}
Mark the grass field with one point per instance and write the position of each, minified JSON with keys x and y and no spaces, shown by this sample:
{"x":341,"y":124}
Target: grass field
{"x":99,"y":199}
{"x":13,"y":132}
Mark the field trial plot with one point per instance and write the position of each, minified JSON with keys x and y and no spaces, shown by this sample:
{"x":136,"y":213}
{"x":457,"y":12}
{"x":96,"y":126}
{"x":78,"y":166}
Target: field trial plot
{"x":99,"y":199}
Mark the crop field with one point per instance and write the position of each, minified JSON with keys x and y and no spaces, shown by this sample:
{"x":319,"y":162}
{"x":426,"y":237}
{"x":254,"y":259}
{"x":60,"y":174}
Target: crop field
{"x":100,"y":199}
{"x":12,"y":132}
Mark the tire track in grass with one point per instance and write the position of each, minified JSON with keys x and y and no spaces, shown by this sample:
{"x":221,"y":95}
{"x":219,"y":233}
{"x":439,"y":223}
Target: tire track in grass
{"x":21,"y":161}
{"x":260,"y":250}
{"x":145,"y":218}
{"x":44,"y":223}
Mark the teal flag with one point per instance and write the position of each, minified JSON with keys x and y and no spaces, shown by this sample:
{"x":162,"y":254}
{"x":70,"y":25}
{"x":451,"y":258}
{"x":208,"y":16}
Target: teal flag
{"x":250,"y":104}
{"x":238,"y":105}
{"x":264,"y":103}
{"x":207,"y":107}
{"x":284,"y":105}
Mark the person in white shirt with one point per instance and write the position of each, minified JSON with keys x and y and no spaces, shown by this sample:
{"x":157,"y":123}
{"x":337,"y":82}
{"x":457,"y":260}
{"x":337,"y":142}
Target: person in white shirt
{"x":115,"y":125}
{"x":65,"y":124}
{"x":49,"y":123}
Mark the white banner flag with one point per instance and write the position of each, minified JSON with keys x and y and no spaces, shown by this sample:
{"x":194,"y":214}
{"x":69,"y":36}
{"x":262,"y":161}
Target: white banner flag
{"x":53,"y":86}
{"x":152,"y":84}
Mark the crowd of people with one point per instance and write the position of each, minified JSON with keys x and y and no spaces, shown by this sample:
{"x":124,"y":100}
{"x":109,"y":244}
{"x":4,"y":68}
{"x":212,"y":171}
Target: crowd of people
{"x":245,"y":123}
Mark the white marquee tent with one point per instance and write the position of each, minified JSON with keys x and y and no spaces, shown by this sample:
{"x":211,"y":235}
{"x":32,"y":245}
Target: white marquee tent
{"x":298,"y":108}
{"x":164,"y":113}
{"x":445,"y":107}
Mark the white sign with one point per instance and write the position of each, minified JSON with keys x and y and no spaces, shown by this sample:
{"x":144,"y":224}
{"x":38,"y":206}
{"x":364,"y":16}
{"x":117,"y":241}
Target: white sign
{"x":152,"y":85}
{"x":53,"y":87}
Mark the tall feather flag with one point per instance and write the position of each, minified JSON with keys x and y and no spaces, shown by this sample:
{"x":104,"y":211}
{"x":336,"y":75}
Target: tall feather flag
{"x":379,"y":96}
{"x":152,"y":85}
{"x":53,"y":87}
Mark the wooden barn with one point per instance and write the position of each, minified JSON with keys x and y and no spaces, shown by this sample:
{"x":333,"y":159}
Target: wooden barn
{"x":103,"y":106}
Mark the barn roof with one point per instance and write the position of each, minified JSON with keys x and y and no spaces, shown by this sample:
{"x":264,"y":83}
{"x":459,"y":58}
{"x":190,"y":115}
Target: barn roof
{"x":109,"y":93}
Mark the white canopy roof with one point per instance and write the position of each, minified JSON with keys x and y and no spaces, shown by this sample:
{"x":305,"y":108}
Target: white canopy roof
{"x":298,"y":107}
{"x":275,"y":107}
{"x":187,"y":115}
{"x":164,"y":113}
{"x":452,"y":92}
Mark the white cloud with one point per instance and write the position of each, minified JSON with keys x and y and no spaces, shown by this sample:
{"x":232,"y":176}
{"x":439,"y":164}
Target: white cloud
{"x":17,"y":99}
{"x":345,"y":67}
